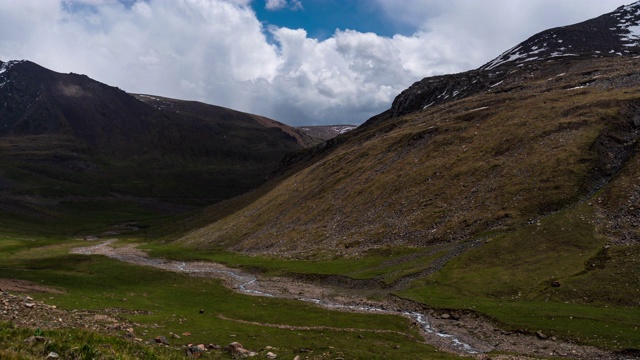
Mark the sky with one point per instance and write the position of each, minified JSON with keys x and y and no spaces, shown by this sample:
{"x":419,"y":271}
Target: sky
{"x":301,"y":62}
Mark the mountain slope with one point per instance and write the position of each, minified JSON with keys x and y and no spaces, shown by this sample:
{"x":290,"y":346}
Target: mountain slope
{"x":490,"y":162}
{"x":67,"y":137}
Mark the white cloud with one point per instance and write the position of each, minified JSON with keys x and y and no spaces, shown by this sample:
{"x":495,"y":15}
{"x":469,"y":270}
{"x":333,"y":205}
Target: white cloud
{"x":217,"y":51}
{"x":282,"y":4}
{"x":275,"y":4}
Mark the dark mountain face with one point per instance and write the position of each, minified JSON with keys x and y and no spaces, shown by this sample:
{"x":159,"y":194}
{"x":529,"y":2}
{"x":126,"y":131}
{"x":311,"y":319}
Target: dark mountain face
{"x":67,"y":135}
{"x":610,"y":35}
{"x":38,"y":101}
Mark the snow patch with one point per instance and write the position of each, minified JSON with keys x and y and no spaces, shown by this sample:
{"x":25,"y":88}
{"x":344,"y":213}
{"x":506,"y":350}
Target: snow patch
{"x":480,"y":108}
{"x":426,"y":106}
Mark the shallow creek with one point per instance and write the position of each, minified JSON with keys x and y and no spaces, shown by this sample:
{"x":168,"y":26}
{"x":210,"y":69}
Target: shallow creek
{"x":470,"y":335}
{"x":250,"y":284}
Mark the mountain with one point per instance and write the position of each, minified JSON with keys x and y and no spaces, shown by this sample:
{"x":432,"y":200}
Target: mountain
{"x":611,"y":35}
{"x":326,"y":132}
{"x":68,"y":137}
{"x":456,"y":157}
{"x":510,"y":191}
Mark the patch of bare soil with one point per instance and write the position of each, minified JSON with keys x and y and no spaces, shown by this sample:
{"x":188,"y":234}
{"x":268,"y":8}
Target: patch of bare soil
{"x":464,"y":333}
{"x":24,"y":311}
{"x":23,"y":286}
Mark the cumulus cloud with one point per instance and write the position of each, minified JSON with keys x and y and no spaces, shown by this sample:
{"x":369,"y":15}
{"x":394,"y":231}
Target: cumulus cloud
{"x":275,"y":4}
{"x":217,"y":51}
{"x":282,"y":4}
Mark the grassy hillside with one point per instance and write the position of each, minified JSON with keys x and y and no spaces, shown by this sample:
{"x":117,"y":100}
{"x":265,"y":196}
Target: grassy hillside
{"x":537,"y":144}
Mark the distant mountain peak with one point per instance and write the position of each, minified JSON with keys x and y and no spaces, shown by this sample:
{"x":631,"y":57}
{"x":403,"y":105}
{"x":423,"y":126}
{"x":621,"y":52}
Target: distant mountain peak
{"x":613,"y":34}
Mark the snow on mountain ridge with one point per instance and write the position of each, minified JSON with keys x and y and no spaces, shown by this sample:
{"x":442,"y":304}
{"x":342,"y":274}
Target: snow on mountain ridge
{"x":613,"y":34}
{"x":4,"y":67}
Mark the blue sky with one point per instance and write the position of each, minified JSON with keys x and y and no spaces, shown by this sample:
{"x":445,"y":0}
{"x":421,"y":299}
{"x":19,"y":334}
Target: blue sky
{"x":302,"y":62}
{"x":321,"y":18}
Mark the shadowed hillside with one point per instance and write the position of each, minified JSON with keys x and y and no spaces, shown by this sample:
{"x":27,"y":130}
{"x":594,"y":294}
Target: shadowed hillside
{"x":66,"y":139}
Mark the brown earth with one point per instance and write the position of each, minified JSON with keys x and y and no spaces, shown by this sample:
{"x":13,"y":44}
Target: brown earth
{"x":23,"y":286}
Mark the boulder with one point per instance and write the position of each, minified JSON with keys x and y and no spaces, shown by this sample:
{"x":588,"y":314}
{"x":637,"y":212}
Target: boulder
{"x":161,"y":340}
{"x":237,"y":351}
{"x":194,"y":351}
{"x":52,"y":356}
{"x":34,"y":339}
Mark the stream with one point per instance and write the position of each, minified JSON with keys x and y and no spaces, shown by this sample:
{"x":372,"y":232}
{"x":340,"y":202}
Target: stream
{"x":249,"y":284}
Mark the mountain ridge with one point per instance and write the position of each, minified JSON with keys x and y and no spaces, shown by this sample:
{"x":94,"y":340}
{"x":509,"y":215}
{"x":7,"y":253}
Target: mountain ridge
{"x":67,"y":136}
{"x":610,"y":35}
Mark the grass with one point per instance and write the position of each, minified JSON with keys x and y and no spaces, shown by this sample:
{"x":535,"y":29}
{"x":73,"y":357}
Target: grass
{"x":510,"y":280}
{"x":385,"y":265}
{"x":76,"y":344}
{"x":173,"y":302}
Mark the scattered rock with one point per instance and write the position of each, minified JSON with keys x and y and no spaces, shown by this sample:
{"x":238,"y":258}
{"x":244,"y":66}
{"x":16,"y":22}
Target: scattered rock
{"x":445,"y":316}
{"x":297,"y":357}
{"x":237,"y":351}
{"x":555,"y":284}
{"x":52,"y":356}
{"x":194,"y":352}
{"x":34,"y":339}
{"x":175,"y":336}
{"x":271,"y":355}
{"x":161,"y":340}
{"x":186,"y":333}
{"x":201,"y":311}
{"x":541,"y":335}
{"x":213,"y":347}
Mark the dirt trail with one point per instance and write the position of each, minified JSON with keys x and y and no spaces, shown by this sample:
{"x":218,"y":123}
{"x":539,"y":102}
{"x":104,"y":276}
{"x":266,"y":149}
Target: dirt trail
{"x":456,"y":332}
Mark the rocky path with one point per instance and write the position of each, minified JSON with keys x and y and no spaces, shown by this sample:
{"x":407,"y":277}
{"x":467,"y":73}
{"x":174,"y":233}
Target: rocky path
{"x":456,"y":332}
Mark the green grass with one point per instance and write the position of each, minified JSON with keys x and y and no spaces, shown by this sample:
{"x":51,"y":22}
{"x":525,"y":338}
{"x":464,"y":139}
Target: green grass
{"x":76,"y":344}
{"x":608,"y":327}
{"x":173,"y":302}
{"x":371,"y":265}
{"x":510,"y":280}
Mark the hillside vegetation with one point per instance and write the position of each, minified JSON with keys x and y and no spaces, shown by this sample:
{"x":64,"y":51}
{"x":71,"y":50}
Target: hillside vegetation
{"x":544,"y":140}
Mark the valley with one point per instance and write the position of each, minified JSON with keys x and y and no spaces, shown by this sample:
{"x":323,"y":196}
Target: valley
{"x":490,"y":214}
